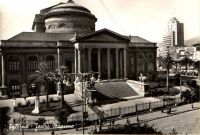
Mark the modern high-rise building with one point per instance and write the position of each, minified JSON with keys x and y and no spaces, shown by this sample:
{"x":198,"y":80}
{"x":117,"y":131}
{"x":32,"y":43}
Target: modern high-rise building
{"x":175,"y":35}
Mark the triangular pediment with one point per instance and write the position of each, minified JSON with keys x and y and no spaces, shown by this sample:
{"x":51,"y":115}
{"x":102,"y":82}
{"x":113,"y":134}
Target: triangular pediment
{"x":103,"y":35}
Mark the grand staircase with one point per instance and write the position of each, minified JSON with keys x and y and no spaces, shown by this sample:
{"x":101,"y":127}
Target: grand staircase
{"x":115,"y":89}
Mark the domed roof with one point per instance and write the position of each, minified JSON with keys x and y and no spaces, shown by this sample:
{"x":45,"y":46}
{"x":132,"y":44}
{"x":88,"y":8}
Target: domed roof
{"x":69,"y":8}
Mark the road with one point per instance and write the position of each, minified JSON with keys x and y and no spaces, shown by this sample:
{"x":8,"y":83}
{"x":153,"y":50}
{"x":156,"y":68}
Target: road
{"x":188,"y":122}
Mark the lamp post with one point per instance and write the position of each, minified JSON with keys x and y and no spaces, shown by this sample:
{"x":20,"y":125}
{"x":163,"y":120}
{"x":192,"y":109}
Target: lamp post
{"x":192,"y":95}
{"x":138,"y":121}
{"x":180,"y":82}
{"x":84,"y":78}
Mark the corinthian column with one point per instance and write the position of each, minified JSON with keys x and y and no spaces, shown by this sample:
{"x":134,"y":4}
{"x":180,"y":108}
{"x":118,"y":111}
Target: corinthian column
{"x":125,"y":62}
{"x":89,"y":59}
{"x":108,"y":63}
{"x":99,"y":61}
{"x":58,"y":54}
{"x":117,"y":62}
{"x":79,"y":61}
{"x":75,"y":62}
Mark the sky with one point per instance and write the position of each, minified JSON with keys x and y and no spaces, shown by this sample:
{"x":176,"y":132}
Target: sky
{"x":145,"y":18}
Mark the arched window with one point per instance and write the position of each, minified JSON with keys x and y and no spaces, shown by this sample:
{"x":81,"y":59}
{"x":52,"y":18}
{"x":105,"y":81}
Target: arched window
{"x":32,"y":63}
{"x":50,"y":60}
{"x":13,"y":64}
{"x":15,"y":90}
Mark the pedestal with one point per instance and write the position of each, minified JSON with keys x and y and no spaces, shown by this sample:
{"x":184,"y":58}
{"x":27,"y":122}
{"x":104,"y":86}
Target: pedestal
{"x":36,"y":109}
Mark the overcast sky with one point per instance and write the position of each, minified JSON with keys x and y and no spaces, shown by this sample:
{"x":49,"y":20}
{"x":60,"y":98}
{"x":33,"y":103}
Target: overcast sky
{"x":145,"y":18}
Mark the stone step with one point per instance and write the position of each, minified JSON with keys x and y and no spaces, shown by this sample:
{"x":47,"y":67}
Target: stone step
{"x":116,"y":89}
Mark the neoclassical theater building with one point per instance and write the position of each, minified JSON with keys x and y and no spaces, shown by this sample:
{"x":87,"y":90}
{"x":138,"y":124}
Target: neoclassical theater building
{"x":64,"y":34}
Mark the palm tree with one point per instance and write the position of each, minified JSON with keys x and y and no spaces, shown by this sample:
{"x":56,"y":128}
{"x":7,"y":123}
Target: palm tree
{"x":176,"y":62}
{"x":187,"y":62}
{"x":61,"y":76}
{"x":167,"y":62}
{"x":197,"y":65}
{"x":43,"y":76}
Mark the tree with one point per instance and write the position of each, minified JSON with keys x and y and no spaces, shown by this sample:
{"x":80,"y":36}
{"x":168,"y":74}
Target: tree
{"x":186,"y":62}
{"x":177,"y":64}
{"x":43,"y":76}
{"x":186,"y":95}
{"x":4,"y":118}
{"x":61,"y":76}
{"x":197,"y":65}
{"x":62,"y":116}
{"x":167,"y":62}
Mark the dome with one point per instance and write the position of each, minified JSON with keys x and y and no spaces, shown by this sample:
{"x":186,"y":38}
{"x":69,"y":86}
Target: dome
{"x":69,"y":18}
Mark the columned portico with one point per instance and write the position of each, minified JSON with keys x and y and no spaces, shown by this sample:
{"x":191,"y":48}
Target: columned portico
{"x":120,"y":61}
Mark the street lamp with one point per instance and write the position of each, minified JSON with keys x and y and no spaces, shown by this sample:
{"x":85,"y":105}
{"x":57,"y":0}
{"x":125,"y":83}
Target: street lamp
{"x":85,"y":83}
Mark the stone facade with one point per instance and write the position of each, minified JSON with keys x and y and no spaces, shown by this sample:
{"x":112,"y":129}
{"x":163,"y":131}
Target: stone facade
{"x":82,"y":49}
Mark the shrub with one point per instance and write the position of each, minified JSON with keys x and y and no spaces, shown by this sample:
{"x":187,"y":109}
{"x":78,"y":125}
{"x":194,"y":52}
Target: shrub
{"x":51,"y":99}
{"x":19,"y":104}
{"x":62,"y":115}
{"x":40,"y":121}
{"x":28,"y":102}
{"x":59,"y":99}
{"x":173,"y":132}
{"x":43,"y":101}
{"x":130,"y":129}
{"x":4,"y":118}
{"x":186,"y":95}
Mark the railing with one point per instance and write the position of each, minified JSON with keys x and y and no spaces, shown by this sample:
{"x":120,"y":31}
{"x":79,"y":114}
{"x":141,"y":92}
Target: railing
{"x":117,"y":112}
